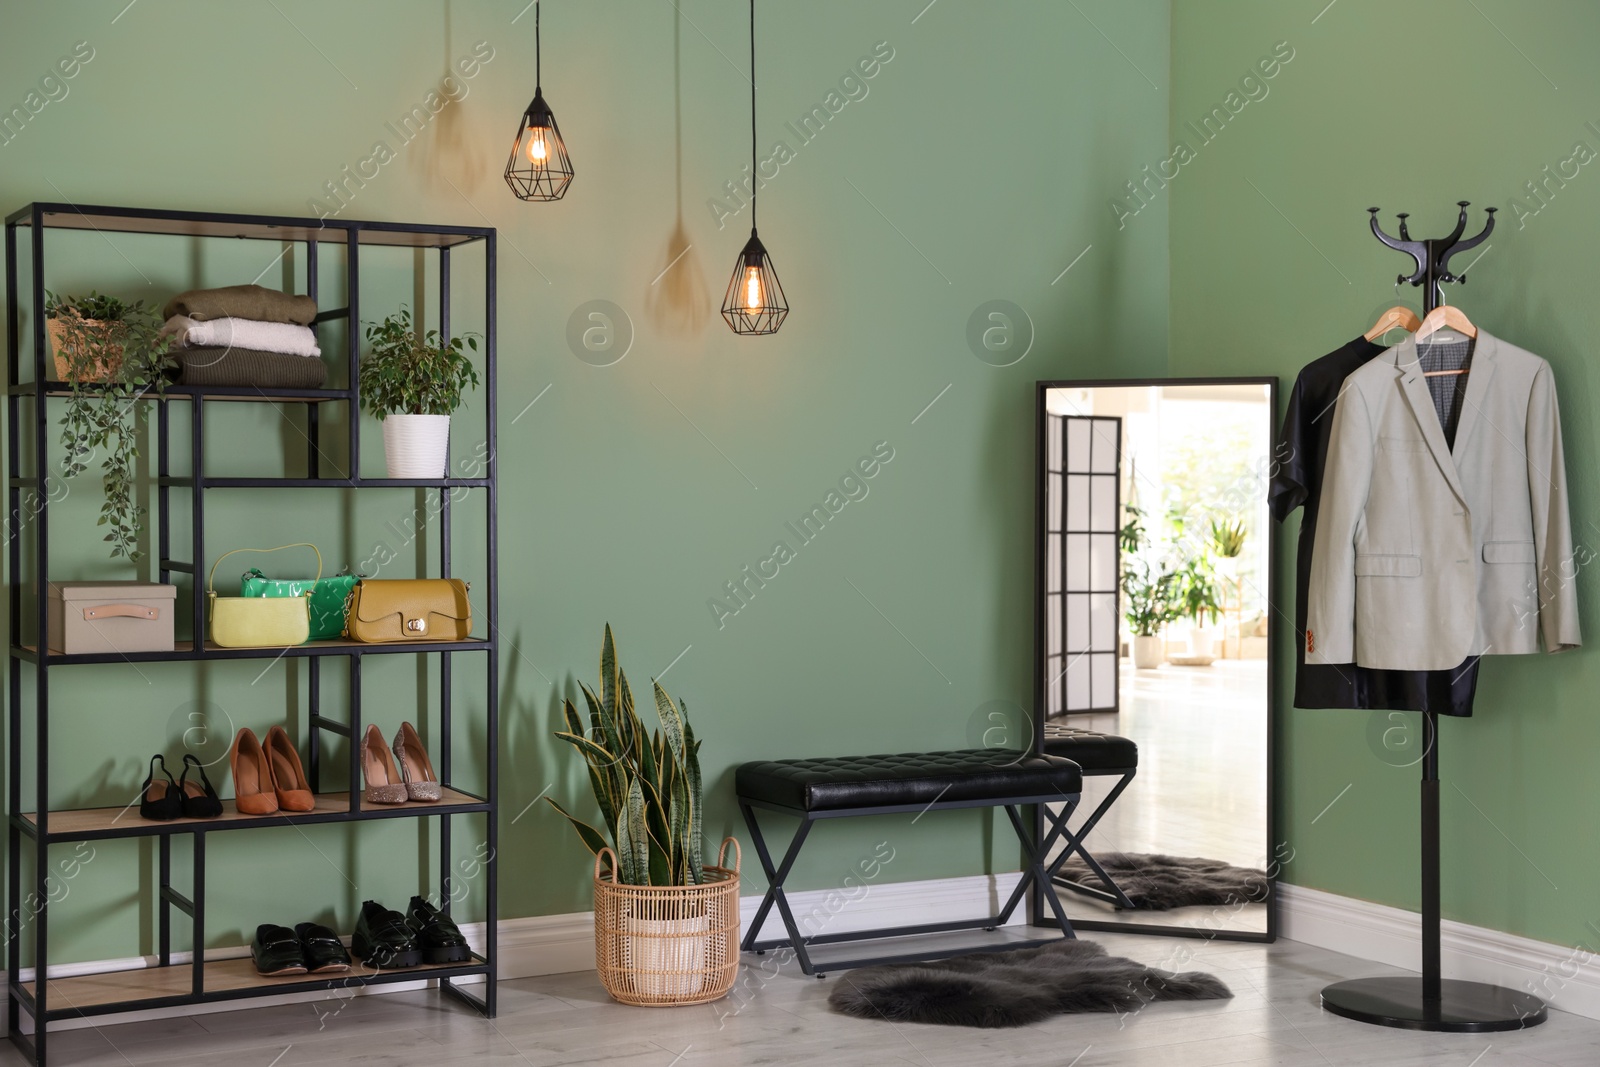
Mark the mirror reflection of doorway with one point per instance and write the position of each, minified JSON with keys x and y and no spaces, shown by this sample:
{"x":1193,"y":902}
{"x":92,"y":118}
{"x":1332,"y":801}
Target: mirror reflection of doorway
{"x":1155,"y":623}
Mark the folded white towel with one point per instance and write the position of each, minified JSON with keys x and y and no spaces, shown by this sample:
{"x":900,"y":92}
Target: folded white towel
{"x":284,"y":337}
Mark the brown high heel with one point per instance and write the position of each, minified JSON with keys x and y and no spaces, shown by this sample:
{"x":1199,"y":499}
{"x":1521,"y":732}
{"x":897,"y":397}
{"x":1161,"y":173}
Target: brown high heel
{"x":254,"y":792}
{"x":416,"y":769}
{"x":379,"y":772}
{"x":289,"y":777}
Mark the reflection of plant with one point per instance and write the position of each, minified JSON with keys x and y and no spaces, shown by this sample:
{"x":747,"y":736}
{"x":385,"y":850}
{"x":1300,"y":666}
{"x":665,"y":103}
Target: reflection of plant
{"x":1228,"y":537}
{"x":108,"y":352}
{"x":647,"y":786}
{"x":1199,"y":595}
{"x":1151,"y":593}
{"x":407,"y":373}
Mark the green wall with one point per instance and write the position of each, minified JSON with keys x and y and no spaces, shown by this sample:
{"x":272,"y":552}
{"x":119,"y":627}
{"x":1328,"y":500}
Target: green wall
{"x":976,"y":168}
{"x":1412,"y":107}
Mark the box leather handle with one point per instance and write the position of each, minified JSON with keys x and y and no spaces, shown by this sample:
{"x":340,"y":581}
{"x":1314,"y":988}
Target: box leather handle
{"x":127,"y":611}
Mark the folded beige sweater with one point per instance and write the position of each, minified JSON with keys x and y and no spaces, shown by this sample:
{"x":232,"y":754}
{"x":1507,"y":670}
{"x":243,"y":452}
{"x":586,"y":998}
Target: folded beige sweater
{"x":242,"y":302}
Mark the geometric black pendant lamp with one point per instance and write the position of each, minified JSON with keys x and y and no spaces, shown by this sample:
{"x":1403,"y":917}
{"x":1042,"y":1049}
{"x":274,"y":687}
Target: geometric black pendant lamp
{"x":754,"y":303}
{"x":539,"y":167}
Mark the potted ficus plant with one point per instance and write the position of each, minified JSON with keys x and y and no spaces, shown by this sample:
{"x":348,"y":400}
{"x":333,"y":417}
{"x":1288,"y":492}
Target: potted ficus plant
{"x":108,"y":353}
{"x":413,"y":382}
{"x":1199,"y":599}
{"x":666,"y":923}
{"x":1149,"y":592}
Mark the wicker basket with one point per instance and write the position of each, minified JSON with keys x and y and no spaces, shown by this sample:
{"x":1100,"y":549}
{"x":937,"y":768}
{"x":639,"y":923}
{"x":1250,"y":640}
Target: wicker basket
{"x":660,"y":946}
{"x":107,"y":356}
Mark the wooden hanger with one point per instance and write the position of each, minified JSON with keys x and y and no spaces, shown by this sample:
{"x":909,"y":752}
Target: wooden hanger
{"x":1396,"y":318}
{"x":1442,"y":317}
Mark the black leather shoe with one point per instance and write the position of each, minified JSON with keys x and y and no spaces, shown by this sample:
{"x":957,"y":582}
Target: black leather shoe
{"x":161,"y":801}
{"x":438,"y":937}
{"x":199,"y":801}
{"x":383,"y":940}
{"x":276,"y":951}
{"x":321,"y":949}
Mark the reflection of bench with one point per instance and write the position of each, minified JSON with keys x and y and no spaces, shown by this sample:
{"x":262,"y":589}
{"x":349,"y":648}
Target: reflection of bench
{"x":1098,"y":754}
{"x":910,"y":783}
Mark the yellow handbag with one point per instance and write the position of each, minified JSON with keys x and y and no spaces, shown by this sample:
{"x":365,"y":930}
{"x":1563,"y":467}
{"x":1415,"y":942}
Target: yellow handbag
{"x":409,"y":609}
{"x":259,"y":622}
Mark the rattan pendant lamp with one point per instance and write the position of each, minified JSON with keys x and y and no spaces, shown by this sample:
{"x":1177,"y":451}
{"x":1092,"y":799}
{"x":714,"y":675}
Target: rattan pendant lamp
{"x":754,"y":303}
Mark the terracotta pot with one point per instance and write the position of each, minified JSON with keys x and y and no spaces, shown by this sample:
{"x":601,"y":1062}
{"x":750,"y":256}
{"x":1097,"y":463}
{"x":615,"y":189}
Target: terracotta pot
{"x":106,"y":356}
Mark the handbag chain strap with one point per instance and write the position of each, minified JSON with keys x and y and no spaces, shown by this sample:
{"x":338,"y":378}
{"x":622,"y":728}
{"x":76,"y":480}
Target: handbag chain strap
{"x":212,"y":578}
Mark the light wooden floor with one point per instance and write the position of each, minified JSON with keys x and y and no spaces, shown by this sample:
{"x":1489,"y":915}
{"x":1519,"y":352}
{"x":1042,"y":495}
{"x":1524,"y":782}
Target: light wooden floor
{"x":1201,"y":789}
{"x":1274,"y":1018}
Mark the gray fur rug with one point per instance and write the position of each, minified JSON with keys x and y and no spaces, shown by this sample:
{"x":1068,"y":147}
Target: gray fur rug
{"x":997,"y":989}
{"x":1159,"y":883}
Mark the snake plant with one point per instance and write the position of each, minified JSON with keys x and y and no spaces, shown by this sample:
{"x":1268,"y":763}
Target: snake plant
{"x":646,"y":784}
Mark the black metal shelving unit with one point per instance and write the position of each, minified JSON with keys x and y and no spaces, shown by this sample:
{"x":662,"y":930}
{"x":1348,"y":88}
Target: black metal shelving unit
{"x":29,"y":392}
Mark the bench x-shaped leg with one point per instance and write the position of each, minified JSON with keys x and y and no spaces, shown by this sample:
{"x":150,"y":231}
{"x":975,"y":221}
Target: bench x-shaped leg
{"x":1038,"y":872}
{"x":1112,"y":893}
{"x":775,"y":879}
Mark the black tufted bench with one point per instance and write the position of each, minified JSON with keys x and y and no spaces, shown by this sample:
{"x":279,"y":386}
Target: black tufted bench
{"x":908,"y":783}
{"x":1098,"y":754}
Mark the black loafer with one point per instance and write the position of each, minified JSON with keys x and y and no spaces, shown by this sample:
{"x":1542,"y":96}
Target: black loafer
{"x":321,"y":949}
{"x":383,"y":940}
{"x":276,"y":951}
{"x":440,"y":940}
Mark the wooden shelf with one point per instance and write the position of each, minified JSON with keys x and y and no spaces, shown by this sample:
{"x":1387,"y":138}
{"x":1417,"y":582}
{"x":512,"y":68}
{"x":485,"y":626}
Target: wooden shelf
{"x":226,"y":979}
{"x":185,"y":650}
{"x":90,"y":823}
{"x":67,"y":216}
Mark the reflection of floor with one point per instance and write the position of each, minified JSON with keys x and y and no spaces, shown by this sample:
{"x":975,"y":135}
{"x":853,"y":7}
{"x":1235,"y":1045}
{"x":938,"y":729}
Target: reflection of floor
{"x":1201,"y":789}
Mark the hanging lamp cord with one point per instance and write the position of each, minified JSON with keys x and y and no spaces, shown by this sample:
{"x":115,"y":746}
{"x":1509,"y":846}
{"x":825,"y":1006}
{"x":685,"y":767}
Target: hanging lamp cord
{"x":537,"y":73}
{"x":755,"y":179}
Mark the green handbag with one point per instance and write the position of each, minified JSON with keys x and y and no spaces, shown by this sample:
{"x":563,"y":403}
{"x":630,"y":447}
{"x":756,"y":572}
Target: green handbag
{"x":328,"y":595}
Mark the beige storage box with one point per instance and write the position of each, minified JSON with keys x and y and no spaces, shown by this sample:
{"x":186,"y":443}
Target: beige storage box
{"x":97,"y":617}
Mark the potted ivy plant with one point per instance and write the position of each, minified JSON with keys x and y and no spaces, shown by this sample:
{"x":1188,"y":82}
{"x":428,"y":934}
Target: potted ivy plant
{"x":666,"y":920}
{"x":413,"y":382}
{"x":1149,"y":592}
{"x":109,"y":354}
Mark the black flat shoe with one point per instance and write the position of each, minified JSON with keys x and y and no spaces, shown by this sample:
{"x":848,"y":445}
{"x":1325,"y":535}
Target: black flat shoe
{"x":161,"y":802}
{"x":438,"y":937}
{"x":200,"y":801}
{"x":321,"y":949}
{"x":276,"y":951}
{"x":383,"y":940}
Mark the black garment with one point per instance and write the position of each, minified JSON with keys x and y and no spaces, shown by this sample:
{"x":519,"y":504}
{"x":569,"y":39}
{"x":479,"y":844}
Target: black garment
{"x":1302,"y":450}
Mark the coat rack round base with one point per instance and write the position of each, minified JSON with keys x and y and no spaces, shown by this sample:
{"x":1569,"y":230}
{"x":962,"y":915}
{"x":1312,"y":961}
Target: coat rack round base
{"x":1461,"y":1007}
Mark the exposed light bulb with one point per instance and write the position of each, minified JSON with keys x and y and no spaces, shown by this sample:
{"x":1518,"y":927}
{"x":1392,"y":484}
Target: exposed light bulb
{"x":753,"y":299}
{"x":538,"y":153}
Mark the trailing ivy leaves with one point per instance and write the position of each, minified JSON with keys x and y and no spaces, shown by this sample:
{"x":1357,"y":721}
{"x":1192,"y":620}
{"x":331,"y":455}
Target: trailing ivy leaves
{"x":646,"y":785}
{"x":405,"y":373}
{"x":113,"y":353}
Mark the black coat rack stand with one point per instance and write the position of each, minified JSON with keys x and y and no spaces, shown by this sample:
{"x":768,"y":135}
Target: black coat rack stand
{"x":1431,"y":1002}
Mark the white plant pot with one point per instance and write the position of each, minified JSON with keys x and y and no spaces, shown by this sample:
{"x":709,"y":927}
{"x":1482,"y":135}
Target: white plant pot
{"x":416,"y":446}
{"x":1146,"y":652}
{"x":1202,"y":642}
{"x":666,"y":957}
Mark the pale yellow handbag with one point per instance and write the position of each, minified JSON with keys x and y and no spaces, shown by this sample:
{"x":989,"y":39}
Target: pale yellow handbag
{"x":260,"y":622}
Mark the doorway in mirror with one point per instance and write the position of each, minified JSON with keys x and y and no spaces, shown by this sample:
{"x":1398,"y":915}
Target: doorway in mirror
{"x":1155,"y":610}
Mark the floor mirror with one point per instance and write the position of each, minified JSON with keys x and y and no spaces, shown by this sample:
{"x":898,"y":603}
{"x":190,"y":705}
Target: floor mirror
{"x":1155,"y":615}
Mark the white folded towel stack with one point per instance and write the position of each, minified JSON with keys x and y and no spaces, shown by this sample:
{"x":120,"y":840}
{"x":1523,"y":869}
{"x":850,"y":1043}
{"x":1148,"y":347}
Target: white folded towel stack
{"x":283,"y":337}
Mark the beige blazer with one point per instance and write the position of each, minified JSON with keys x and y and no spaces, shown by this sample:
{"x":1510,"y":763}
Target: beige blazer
{"x":1425,"y":555}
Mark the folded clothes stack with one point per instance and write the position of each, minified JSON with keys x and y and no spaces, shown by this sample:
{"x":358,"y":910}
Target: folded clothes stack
{"x":245,"y":335}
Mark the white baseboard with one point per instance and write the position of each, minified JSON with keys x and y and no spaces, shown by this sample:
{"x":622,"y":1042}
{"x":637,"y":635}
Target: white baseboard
{"x":1567,"y":978}
{"x":555,"y":944}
